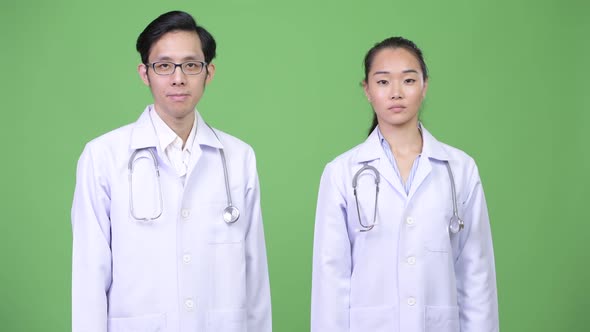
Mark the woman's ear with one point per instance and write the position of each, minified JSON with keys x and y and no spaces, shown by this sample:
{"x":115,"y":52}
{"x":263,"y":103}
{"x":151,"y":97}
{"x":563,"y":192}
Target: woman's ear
{"x":424,"y":88}
{"x":366,"y":89}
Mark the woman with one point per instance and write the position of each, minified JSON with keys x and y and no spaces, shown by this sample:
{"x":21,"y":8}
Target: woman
{"x":402,"y":236}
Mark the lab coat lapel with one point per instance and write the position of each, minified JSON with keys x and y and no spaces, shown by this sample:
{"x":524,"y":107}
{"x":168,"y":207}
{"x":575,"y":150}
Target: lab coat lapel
{"x":424,"y":169}
{"x":372,"y":150}
{"x":431,"y":149}
{"x":205,"y":137}
{"x":143,"y":134}
{"x":388,"y":173}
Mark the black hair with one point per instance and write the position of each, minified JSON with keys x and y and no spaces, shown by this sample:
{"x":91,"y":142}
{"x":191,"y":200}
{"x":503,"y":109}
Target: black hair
{"x":393,"y":42}
{"x":169,"y":22}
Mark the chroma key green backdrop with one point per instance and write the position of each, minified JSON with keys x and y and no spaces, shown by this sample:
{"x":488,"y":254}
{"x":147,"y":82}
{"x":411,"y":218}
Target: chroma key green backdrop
{"x":509,"y":85}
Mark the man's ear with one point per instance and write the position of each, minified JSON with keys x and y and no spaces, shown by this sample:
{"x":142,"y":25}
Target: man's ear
{"x":210,"y":73}
{"x":142,"y":71}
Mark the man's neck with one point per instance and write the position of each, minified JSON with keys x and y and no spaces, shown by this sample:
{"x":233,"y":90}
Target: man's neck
{"x":181,"y":126}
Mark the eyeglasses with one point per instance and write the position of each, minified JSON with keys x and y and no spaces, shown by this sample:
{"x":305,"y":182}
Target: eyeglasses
{"x":168,"y":68}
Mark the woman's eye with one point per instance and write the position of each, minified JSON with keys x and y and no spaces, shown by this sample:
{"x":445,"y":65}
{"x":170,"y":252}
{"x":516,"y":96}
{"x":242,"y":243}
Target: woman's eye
{"x":382,"y":82}
{"x":410,"y":81}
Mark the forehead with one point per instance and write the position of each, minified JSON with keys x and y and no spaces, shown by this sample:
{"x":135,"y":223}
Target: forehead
{"x":395,"y":60}
{"x":177,"y":45}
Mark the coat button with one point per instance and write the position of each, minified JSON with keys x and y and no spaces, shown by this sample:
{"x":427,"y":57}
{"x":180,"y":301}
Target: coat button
{"x":189,"y":303}
{"x":411,"y":301}
{"x":185,"y":213}
{"x":410,"y":221}
{"x":411,"y":260}
{"x":186,"y":258}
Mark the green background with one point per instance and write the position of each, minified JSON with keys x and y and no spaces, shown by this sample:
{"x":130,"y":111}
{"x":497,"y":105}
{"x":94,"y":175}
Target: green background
{"x":508,"y":85}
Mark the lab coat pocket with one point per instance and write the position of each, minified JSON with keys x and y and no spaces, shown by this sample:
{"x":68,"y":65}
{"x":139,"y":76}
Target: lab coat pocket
{"x":228,"y":276}
{"x":374,"y":319}
{"x":442,"y":319}
{"x":227,"y":321}
{"x":218,"y":230}
{"x":436,"y":232}
{"x":146,"y":323}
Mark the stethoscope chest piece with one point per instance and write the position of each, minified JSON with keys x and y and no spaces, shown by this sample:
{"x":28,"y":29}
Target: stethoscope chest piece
{"x":231,"y":214}
{"x":456,"y":224}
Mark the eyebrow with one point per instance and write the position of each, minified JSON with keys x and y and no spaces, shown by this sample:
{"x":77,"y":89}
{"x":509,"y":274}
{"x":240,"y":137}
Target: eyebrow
{"x":186,"y":58}
{"x":404,"y":72}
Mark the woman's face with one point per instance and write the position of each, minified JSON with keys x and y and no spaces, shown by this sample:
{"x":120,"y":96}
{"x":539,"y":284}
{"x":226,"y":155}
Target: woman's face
{"x":395,"y":87}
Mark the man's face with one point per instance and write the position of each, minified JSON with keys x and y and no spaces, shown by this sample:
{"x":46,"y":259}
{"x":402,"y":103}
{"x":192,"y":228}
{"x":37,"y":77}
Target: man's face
{"x":177,"y":94}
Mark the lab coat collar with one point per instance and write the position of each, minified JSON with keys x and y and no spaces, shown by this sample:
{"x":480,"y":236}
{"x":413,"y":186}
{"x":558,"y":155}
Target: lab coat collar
{"x":371,"y":149}
{"x":144,"y":134}
{"x":372,"y":152}
{"x":167,"y":136}
{"x":206,"y":135}
{"x":432,"y":148}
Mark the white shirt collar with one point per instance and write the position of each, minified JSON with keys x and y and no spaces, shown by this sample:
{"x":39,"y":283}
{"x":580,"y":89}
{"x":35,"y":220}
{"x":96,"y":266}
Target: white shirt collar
{"x":167,"y":136}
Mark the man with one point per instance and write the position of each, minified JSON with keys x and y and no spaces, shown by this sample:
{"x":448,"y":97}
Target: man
{"x":156,"y":243}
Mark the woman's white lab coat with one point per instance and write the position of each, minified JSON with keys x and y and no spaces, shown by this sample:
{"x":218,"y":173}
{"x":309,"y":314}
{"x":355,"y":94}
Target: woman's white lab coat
{"x":408,"y":274}
{"x":186,"y":271}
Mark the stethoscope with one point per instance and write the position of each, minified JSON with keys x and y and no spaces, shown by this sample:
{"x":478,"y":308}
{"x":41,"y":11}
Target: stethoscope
{"x":455,"y":223}
{"x":231,"y":213}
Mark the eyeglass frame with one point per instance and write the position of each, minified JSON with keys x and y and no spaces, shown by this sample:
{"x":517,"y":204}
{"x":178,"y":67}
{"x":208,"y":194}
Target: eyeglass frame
{"x":153,"y":66}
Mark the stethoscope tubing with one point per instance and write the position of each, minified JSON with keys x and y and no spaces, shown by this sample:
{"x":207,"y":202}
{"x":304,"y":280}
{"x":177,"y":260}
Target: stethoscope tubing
{"x":130,"y":166}
{"x":231,"y":213}
{"x":455,"y":224}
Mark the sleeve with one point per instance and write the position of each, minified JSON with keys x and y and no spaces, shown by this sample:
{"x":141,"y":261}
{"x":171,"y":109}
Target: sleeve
{"x":257,"y":282}
{"x":474,"y":267}
{"x":91,"y":254}
{"x":330,"y":291}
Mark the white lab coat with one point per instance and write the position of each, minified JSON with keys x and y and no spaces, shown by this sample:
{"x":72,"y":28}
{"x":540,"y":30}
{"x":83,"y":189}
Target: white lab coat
{"x":187,"y":270}
{"x":408,"y":274}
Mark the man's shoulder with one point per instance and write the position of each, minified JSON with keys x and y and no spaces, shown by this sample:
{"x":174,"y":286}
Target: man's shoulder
{"x":106,"y":148}
{"x":116,"y":137}
{"x":231,"y":142}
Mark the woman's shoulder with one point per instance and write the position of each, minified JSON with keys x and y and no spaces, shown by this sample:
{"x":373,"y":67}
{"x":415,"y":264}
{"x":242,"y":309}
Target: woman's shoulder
{"x":440,"y":150}
{"x":350,"y":156}
{"x":457,"y":154}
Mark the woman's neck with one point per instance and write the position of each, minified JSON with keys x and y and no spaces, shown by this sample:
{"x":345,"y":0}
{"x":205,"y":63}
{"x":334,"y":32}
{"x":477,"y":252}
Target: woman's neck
{"x":403,"y":140}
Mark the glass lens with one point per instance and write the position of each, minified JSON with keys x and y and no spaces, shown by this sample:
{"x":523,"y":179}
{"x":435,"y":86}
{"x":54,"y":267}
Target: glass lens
{"x":192,"y":67}
{"x":163,"y":68}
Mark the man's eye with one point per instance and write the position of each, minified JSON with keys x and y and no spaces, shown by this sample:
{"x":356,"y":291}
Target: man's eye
{"x":382,"y":82}
{"x":410,"y":81}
